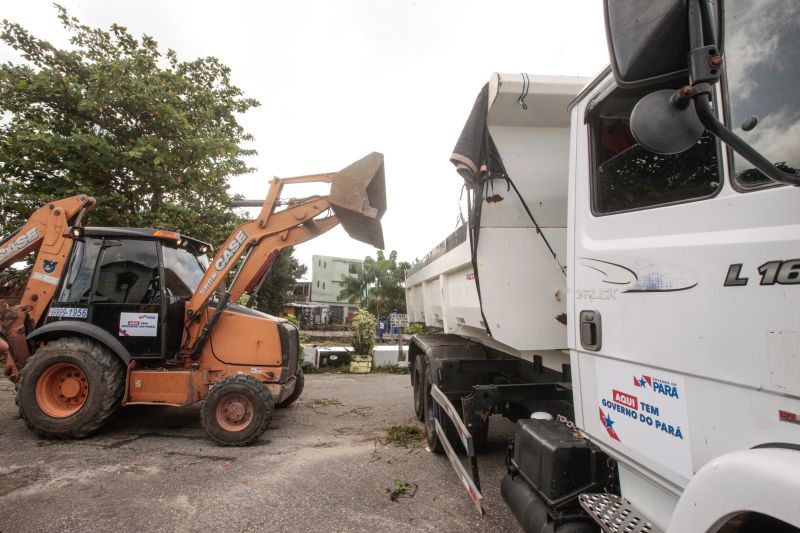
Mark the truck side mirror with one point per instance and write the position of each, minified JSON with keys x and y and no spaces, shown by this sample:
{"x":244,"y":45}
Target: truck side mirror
{"x":665,"y":125}
{"x":648,"y":42}
{"x":657,"y":40}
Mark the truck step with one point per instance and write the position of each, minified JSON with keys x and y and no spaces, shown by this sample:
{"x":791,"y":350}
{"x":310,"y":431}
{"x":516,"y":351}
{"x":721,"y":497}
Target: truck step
{"x":616,"y":514}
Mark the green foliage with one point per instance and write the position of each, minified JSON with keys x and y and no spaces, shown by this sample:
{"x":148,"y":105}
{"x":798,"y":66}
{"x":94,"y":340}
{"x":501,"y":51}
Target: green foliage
{"x":404,"y":436}
{"x":154,"y":139}
{"x":385,"y":295}
{"x":364,"y":325}
{"x":414,"y":328}
{"x":276,"y":291}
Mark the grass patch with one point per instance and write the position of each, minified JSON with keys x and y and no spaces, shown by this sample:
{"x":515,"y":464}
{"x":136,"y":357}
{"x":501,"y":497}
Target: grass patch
{"x":401,"y":489}
{"x":311,"y":369}
{"x":405,"y":436}
{"x":387,"y":369}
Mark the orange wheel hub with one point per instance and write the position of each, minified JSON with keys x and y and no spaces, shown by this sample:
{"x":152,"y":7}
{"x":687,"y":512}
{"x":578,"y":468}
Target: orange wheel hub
{"x":234,"y":412}
{"x":62,"y":390}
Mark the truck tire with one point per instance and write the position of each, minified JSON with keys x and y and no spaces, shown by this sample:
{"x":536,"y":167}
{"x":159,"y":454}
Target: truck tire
{"x":419,"y":387}
{"x":298,"y":389}
{"x":70,"y":387}
{"x":237,"y":410}
{"x":434,"y":412}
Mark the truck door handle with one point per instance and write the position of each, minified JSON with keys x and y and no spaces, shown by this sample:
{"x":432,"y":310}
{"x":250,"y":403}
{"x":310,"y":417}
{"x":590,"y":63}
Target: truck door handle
{"x":591,"y":330}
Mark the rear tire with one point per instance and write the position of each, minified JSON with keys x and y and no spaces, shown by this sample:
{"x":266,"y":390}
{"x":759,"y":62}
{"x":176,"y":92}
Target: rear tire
{"x":237,"y":410}
{"x":419,"y":388}
{"x":298,"y":389}
{"x":434,"y":412}
{"x":70,"y":387}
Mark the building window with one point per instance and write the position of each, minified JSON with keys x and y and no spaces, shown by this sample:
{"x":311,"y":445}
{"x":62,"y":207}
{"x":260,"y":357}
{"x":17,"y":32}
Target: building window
{"x":352,"y":268}
{"x":318,"y":284}
{"x":319,"y":262}
{"x":323,"y":284}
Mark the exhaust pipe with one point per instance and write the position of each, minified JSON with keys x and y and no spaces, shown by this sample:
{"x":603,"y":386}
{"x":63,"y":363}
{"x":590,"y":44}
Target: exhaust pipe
{"x":358,"y":198}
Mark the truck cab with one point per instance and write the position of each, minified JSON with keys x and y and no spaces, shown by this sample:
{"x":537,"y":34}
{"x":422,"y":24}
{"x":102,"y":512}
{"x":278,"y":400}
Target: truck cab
{"x":686,"y":328}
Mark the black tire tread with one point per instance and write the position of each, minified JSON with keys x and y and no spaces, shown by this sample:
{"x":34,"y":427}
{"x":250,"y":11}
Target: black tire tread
{"x":419,"y":388}
{"x":113,"y":378}
{"x":261,"y":391}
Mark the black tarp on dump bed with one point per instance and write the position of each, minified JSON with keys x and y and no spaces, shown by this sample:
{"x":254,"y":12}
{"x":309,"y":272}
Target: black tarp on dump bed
{"x":475,"y":155}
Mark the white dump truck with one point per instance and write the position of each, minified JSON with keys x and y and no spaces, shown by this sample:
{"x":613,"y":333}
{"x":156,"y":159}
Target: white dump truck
{"x":627,"y":285}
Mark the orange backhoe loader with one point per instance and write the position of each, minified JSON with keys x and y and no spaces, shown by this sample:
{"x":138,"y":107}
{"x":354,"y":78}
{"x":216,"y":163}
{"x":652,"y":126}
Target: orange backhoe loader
{"x":123,"y":316}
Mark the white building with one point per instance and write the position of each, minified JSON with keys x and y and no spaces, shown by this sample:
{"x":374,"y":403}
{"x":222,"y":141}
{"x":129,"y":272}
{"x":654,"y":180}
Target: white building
{"x":326,"y":284}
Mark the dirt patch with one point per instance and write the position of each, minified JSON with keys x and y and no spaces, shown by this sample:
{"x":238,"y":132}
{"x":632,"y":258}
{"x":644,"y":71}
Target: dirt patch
{"x":320,"y":402}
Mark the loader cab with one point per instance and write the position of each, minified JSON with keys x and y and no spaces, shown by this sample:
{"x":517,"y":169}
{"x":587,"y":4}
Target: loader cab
{"x":131,"y":283}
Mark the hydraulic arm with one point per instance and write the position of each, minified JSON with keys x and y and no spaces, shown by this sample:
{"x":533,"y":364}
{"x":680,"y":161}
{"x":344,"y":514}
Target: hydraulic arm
{"x":45,"y":231}
{"x":357,"y":199}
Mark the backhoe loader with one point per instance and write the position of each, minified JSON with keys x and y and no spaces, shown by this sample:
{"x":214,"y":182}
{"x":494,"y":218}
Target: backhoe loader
{"x":127,"y":316}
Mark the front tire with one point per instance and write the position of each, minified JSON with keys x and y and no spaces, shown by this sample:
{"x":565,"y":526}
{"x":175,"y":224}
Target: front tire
{"x":70,"y":387}
{"x":237,"y":410}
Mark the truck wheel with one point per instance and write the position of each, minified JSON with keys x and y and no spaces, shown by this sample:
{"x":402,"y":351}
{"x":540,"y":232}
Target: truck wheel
{"x":419,"y":388}
{"x":298,"y":389}
{"x":237,"y":410}
{"x":70,"y":387}
{"x":434,"y":412}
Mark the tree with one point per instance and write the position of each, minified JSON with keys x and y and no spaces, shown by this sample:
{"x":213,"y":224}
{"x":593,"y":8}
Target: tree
{"x":154,"y":139}
{"x":385,"y":295}
{"x":276,"y":290}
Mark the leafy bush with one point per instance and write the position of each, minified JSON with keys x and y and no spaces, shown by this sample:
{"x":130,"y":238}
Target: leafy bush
{"x":364,"y":326}
{"x":414,"y":328}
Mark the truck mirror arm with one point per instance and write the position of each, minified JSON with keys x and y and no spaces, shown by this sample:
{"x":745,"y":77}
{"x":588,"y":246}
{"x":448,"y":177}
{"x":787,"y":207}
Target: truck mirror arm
{"x":739,"y":145}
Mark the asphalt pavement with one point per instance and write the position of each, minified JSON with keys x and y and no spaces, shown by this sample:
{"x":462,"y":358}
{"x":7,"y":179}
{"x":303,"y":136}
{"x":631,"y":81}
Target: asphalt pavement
{"x":323,"y":465}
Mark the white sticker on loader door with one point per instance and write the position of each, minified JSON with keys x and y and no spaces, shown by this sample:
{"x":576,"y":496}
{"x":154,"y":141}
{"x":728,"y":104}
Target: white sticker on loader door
{"x":644,"y":409}
{"x":138,"y":324}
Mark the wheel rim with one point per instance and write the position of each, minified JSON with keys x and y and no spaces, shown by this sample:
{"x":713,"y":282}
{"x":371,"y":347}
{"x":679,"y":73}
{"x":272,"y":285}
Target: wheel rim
{"x":234,"y":412}
{"x":62,"y":390}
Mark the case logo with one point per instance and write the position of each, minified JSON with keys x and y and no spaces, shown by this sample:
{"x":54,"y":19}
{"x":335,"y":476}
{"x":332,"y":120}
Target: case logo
{"x":238,"y":240}
{"x":29,"y":237}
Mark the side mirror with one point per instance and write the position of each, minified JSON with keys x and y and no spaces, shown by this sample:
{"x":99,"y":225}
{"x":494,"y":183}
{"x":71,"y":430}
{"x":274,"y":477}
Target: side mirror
{"x":664,"y":124}
{"x":657,"y":40}
{"x":648,"y":42}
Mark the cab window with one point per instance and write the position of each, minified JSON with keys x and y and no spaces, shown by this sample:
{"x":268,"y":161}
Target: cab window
{"x":182,"y":271}
{"x":628,"y":177}
{"x":762,"y":84}
{"x":128,"y":273}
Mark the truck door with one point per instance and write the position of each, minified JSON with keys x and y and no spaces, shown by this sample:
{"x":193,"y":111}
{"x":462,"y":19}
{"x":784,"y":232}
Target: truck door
{"x":684,"y":283}
{"x":127,"y":299}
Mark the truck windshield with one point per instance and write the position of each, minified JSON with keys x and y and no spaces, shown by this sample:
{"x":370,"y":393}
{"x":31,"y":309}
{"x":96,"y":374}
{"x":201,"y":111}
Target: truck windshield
{"x":763,"y":78}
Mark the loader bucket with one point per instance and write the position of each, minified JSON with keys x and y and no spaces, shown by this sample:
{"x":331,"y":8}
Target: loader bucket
{"x":358,"y":198}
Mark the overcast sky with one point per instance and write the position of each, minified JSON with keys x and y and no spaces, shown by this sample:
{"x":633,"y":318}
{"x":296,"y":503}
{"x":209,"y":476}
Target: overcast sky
{"x":340,"y":79}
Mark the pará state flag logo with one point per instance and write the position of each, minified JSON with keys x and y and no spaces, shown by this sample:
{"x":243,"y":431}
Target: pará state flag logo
{"x":608,"y":423}
{"x":643,"y":381}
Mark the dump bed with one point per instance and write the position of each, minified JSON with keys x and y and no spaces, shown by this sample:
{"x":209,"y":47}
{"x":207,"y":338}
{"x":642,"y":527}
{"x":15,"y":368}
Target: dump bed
{"x":520,"y":271}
